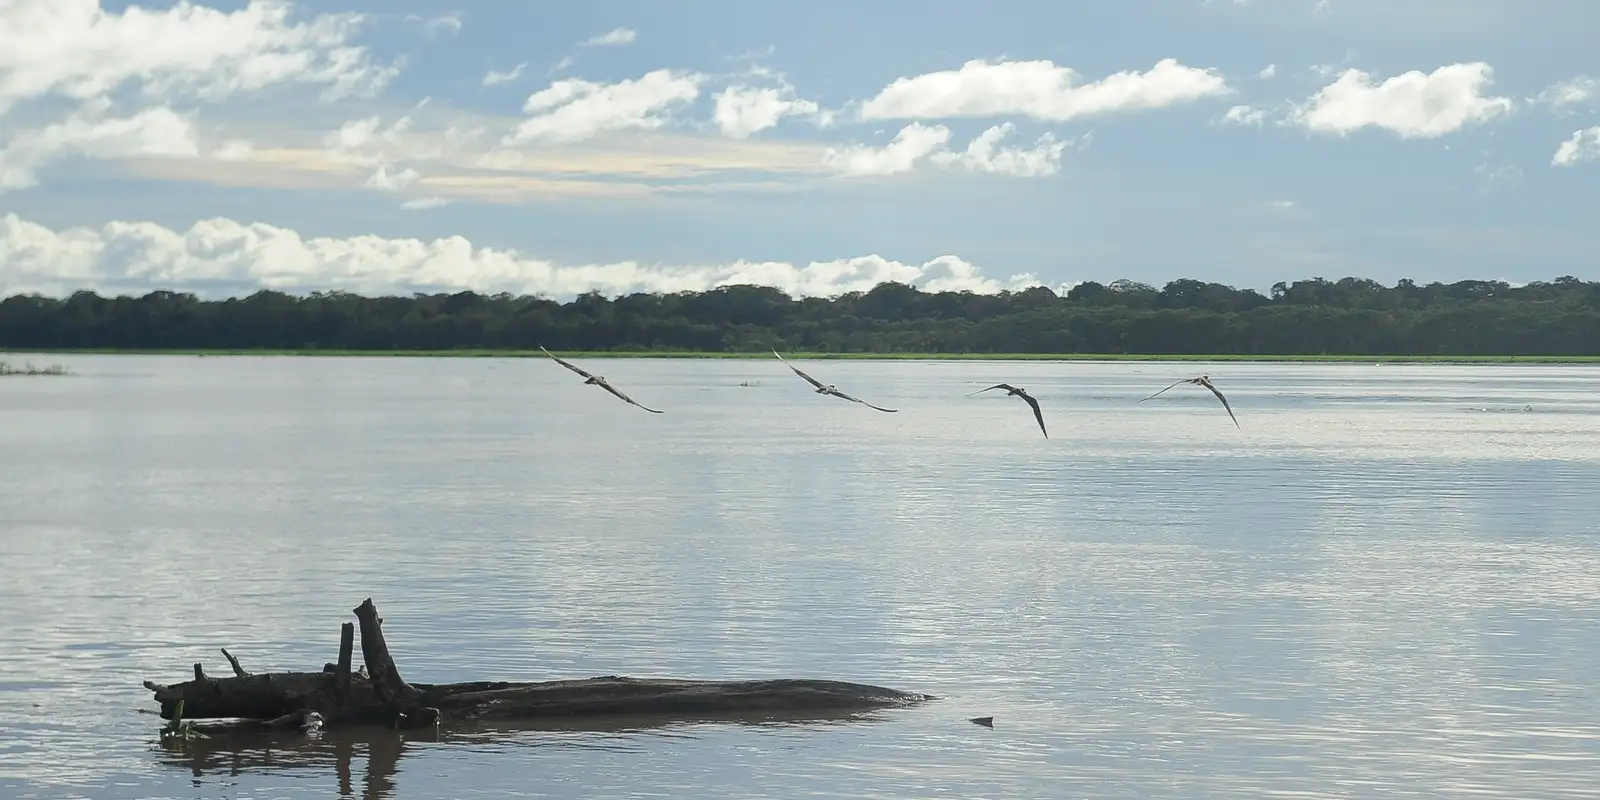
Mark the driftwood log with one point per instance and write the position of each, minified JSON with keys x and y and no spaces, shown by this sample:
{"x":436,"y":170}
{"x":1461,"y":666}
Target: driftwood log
{"x":376,"y":694}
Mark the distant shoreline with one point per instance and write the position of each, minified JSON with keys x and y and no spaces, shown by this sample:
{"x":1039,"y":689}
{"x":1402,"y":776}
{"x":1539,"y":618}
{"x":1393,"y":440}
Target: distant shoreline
{"x":485,"y":353}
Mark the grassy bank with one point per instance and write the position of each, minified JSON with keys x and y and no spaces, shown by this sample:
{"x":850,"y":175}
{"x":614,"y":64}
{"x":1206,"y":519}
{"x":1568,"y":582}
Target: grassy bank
{"x":1535,"y":359}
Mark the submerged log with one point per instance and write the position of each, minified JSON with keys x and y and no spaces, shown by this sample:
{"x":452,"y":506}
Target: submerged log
{"x":377,"y":694}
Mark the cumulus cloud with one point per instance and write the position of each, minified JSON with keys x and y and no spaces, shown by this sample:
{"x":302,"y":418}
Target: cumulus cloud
{"x":1583,"y":146}
{"x":741,"y":111}
{"x":91,"y":133}
{"x":613,"y":37}
{"x":1038,"y":89}
{"x":368,"y":141}
{"x":1411,"y":105}
{"x":918,"y":143}
{"x":73,"y":52}
{"x":984,"y":154}
{"x":1267,"y":72}
{"x":1244,"y":115}
{"x":219,"y":257}
{"x":574,"y":109}
{"x":387,"y":181}
{"x":913,"y":143}
{"x":181,"y":51}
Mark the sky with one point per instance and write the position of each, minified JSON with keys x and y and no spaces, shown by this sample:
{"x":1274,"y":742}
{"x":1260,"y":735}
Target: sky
{"x":622,"y":146}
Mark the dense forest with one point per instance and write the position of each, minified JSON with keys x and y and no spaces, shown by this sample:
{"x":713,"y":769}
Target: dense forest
{"x":1310,"y":317}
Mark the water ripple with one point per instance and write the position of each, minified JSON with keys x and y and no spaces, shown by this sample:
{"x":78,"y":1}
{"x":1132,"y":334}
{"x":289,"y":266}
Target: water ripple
{"x":1384,"y":582}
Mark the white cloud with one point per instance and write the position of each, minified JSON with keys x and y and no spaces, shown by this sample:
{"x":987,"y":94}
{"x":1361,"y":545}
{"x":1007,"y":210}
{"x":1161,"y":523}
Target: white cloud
{"x":232,"y":150}
{"x":566,"y":61}
{"x":1583,"y":146}
{"x":1038,"y":89}
{"x":158,"y":131}
{"x":983,"y":154}
{"x":493,"y":78}
{"x":218,"y":257}
{"x":916,"y":143}
{"x":616,"y":36}
{"x":1412,"y":105}
{"x":1244,"y":115}
{"x":387,"y":181}
{"x":574,"y":109}
{"x":179,"y":51}
{"x":1267,"y":72}
{"x":1568,"y":92}
{"x":741,"y":111}
{"x":425,"y":203}
{"x":913,"y":143}
{"x":432,"y":25}
{"x":365,"y":141}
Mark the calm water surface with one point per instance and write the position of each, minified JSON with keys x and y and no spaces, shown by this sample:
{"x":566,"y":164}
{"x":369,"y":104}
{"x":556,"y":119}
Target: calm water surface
{"x":1386,"y":584}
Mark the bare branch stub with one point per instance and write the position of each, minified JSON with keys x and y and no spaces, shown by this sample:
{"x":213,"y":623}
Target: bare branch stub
{"x":199,"y":672}
{"x":238,"y":671}
{"x":391,"y":688}
{"x":347,"y":638}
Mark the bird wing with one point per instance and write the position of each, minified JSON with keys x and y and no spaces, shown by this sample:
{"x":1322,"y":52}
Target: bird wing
{"x":1005,"y":386}
{"x":809,"y":379}
{"x":1037,"y":414}
{"x":837,"y":393}
{"x":565,"y":364}
{"x":1157,"y":394}
{"x":1224,"y":400}
{"x":618,"y":392}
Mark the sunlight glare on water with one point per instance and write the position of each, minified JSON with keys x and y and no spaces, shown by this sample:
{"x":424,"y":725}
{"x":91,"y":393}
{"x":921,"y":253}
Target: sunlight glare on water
{"x":1386,"y":581}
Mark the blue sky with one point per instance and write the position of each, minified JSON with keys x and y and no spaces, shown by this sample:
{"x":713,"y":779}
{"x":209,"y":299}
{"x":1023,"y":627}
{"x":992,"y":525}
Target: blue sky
{"x":643,"y":146}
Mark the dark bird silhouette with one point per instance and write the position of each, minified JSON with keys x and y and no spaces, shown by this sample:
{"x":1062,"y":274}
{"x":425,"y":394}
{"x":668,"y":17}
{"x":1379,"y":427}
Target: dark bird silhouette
{"x":1206,"y":382}
{"x":600,"y":382}
{"x":828,"y":388}
{"x":1022,"y":393}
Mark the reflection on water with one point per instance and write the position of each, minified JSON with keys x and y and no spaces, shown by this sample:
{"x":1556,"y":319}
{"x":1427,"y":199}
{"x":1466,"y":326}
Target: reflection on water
{"x":1372,"y":587}
{"x":229,"y":755}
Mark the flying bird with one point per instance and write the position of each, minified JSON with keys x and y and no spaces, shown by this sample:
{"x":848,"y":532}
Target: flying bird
{"x":1022,"y":393}
{"x":1206,"y":382}
{"x":600,"y":382}
{"x":828,"y":388}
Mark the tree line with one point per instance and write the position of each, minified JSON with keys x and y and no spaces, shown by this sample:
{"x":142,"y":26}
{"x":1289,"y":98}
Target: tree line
{"x":1352,"y":316}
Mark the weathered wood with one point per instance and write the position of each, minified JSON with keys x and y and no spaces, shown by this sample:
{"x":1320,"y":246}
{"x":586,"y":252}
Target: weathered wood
{"x":265,"y":695}
{"x":615,"y":694}
{"x":377,"y":695}
{"x":347,"y":638}
{"x":396,"y":694}
{"x":238,"y":671}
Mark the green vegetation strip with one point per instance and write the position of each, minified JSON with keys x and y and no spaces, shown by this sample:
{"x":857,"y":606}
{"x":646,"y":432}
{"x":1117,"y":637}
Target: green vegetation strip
{"x":485,"y":353}
{"x":7,"y":368}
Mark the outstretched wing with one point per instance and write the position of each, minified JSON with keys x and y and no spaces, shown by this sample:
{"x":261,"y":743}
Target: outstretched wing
{"x":565,"y":364}
{"x":1037,"y":414}
{"x":1005,"y":386}
{"x":1158,"y":394}
{"x":618,"y":392}
{"x":837,"y":393}
{"x":809,"y":379}
{"x":1224,"y":400}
